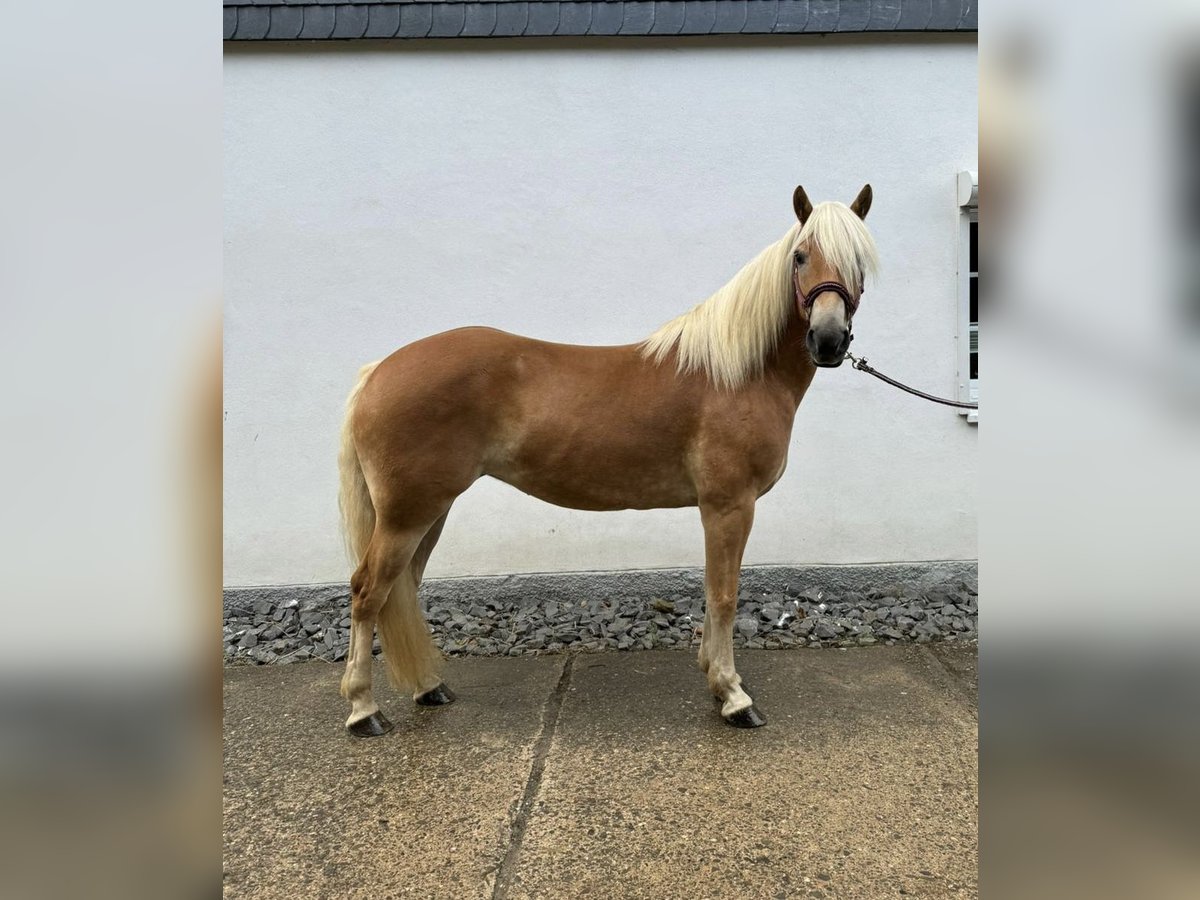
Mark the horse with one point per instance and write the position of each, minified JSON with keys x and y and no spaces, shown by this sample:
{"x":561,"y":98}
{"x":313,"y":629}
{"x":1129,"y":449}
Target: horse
{"x":699,"y":414}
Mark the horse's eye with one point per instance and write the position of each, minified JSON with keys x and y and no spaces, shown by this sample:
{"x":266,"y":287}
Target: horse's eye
{"x":799,"y":257}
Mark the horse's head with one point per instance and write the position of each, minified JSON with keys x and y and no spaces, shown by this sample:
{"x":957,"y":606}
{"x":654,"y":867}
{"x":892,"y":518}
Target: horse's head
{"x":830,"y":260}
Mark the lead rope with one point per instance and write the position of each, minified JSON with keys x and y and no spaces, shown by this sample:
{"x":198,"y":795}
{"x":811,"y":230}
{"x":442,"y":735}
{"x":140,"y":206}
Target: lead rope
{"x":861,"y":365}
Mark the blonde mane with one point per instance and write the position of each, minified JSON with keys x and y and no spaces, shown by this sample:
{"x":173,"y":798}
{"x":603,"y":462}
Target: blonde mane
{"x":730,"y":335}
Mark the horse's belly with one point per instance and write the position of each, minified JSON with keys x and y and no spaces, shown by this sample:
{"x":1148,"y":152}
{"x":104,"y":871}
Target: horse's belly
{"x":590,"y":482}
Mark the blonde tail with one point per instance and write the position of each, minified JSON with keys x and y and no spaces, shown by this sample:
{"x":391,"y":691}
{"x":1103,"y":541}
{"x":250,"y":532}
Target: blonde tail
{"x":354,"y":501}
{"x":413,"y":659}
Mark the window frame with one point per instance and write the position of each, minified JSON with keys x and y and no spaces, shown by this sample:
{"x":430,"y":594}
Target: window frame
{"x":968,"y":215}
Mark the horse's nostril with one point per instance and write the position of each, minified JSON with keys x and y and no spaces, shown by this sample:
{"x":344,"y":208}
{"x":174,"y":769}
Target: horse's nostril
{"x":825,"y":343}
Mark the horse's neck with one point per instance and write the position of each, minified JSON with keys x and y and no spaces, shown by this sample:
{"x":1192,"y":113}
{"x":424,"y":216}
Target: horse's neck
{"x":790,"y":365}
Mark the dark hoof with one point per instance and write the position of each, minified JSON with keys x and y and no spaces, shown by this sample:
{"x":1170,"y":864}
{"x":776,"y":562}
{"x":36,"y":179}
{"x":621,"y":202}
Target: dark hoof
{"x":372,"y":726}
{"x":439,"y":696}
{"x":749,"y":717}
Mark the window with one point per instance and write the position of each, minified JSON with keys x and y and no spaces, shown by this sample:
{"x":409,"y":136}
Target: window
{"x":968,"y":292}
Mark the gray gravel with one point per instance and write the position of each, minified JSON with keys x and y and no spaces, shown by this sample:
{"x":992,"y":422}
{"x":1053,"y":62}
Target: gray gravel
{"x":289,"y":631}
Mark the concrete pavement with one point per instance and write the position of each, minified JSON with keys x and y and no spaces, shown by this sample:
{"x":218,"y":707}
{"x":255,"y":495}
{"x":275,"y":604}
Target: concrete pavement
{"x":611,"y":775}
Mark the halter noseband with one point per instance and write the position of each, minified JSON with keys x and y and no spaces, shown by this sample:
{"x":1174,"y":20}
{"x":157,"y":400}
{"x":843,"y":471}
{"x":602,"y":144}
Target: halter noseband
{"x":805,"y":302}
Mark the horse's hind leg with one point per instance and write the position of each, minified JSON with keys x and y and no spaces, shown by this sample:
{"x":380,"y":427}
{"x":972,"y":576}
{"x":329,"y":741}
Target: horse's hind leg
{"x":726,"y":529}
{"x":383,"y":564}
{"x":440,"y":695}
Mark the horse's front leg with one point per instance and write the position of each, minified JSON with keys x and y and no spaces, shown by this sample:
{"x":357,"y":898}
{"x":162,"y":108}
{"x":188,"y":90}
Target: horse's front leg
{"x":726,"y":528}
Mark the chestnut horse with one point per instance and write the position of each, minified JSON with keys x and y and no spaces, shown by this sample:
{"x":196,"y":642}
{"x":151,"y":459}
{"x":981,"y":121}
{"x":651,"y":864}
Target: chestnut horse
{"x":698,"y":414}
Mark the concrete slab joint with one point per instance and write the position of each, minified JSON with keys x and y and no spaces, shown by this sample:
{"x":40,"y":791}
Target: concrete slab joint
{"x":541,"y":752}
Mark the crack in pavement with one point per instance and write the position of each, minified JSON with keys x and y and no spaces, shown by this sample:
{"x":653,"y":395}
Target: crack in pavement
{"x":541,"y":751}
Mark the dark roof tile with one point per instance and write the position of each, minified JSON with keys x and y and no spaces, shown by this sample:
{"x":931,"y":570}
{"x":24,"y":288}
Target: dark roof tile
{"x":607,"y":18}
{"x":970,"y":16}
{"x":382,"y":21}
{"x":543,"y":18}
{"x":637,"y":17}
{"x":946,"y":14}
{"x":699,"y":17}
{"x":914,"y":15}
{"x":318,"y":23}
{"x":854,"y":16}
{"x":730,"y":17}
{"x":761,"y":16}
{"x":791,"y":15}
{"x":574,"y":18}
{"x":823,"y":15}
{"x":286,"y":22}
{"x":480,"y":19}
{"x":350,"y":21}
{"x":253,"y":23}
{"x":668,"y":16}
{"x":511,"y":19}
{"x":448,"y":19}
{"x":415,"y":20}
{"x":885,"y":15}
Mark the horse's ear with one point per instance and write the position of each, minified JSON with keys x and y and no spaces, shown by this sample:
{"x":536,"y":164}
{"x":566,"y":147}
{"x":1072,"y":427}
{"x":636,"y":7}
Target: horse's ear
{"x":801,"y":204}
{"x":862,"y":202}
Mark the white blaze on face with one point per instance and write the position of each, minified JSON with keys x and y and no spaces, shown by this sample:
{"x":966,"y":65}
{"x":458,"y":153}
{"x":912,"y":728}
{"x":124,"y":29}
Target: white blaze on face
{"x":828,"y":313}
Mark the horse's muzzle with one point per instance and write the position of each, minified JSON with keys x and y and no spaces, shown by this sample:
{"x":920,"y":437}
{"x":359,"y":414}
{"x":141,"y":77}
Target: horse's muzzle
{"x":828,"y":346}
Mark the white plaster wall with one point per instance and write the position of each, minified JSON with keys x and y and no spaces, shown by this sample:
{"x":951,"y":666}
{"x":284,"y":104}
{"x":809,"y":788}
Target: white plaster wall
{"x":585,"y":192}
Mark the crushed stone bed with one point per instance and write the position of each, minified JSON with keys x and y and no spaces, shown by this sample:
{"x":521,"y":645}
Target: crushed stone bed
{"x":285,"y":631}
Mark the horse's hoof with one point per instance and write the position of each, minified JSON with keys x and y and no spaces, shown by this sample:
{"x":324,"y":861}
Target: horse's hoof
{"x":749,"y":717}
{"x":439,"y":696}
{"x":372,"y":726}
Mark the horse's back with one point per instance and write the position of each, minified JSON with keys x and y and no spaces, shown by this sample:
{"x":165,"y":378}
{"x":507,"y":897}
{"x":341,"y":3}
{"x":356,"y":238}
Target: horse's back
{"x":478,"y":368}
{"x":474,"y":388}
{"x":487,"y":368}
